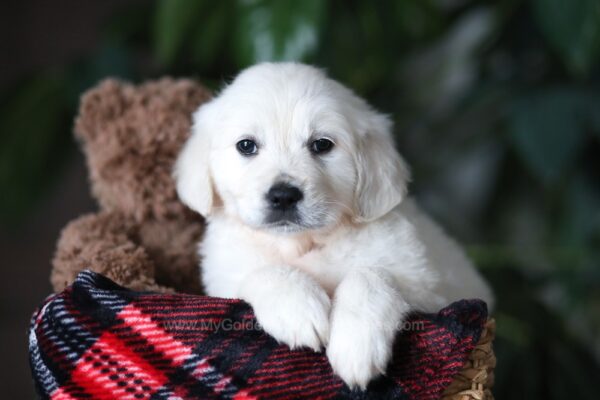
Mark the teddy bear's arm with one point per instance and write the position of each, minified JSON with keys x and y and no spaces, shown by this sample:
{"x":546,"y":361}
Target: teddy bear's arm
{"x":102,"y":242}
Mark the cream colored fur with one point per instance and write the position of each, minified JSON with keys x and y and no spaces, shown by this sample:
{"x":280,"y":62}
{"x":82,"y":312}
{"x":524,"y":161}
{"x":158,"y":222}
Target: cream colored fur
{"x":360,"y":257}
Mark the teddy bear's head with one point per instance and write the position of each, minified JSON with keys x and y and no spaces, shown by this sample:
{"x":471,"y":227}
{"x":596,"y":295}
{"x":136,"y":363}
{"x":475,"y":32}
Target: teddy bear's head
{"x":131,"y":136}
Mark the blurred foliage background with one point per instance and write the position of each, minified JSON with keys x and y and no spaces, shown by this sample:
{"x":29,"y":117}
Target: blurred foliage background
{"x":497,"y":109}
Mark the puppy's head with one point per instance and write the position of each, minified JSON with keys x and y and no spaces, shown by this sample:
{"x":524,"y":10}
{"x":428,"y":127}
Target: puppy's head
{"x":285,"y":148}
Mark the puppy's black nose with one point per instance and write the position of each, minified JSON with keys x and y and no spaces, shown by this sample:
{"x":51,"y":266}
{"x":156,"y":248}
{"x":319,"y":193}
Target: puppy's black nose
{"x":283,"y":196}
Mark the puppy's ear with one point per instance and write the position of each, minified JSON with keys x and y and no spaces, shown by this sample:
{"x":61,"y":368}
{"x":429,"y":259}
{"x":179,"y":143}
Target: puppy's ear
{"x":382,"y":174}
{"x":192,"y":172}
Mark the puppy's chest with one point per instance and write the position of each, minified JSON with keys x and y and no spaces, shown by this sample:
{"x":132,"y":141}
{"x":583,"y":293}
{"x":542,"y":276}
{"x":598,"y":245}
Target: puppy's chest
{"x":313,"y":258}
{"x":291,"y":251}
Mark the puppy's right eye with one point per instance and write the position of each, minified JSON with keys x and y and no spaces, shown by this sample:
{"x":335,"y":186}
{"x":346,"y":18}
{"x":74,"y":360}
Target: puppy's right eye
{"x":247,"y":147}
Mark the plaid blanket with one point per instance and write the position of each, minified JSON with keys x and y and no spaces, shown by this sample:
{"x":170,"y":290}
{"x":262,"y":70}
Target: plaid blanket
{"x":99,"y":340}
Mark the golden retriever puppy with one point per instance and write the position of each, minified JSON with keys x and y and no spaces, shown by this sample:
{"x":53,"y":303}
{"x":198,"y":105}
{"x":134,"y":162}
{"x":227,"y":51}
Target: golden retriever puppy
{"x":308,"y":220}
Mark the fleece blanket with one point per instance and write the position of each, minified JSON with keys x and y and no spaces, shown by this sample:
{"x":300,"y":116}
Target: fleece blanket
{"x":97,"y":340}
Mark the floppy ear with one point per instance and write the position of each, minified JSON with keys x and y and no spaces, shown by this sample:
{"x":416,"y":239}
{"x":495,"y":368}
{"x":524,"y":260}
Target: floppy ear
{"x":382,"y":174}
{"x":192,"y":173}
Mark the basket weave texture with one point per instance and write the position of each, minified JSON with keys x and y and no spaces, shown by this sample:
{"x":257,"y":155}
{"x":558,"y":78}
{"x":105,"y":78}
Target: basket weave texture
{"x":476,"y":379}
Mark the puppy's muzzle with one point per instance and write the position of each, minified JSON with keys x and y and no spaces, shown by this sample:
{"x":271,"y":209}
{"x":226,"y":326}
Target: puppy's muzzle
{"x":282,"y":199}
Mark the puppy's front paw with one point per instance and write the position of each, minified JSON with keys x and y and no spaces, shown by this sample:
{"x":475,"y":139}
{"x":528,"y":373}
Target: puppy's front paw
{"x":291,"y":307}
{"x":358,"y":352}
{"x":365,"y":318}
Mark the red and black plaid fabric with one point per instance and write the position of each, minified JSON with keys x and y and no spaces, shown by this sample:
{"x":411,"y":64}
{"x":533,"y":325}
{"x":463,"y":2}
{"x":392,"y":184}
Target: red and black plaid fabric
{"x":97,"y":340}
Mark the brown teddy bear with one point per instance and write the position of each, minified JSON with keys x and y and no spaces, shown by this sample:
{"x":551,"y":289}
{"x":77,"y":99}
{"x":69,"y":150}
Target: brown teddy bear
{"x":143,"y":237}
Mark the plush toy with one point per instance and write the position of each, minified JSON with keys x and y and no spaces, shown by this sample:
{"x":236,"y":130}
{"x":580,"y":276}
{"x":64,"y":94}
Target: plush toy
{"x":144,"y":239}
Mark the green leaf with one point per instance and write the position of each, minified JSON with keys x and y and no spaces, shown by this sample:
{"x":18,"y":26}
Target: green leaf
{"x":174,"y":19}
{"x":34,"y":140}
{"x":415,"y":19}
{"x":356,"y":28}
{"x":582,"y":212}
{"x":513,"y":329}
{"x":573,"y":28}
{"x":210,"y":36}
{"x":548,"y":129}
{"x":277,"y":30}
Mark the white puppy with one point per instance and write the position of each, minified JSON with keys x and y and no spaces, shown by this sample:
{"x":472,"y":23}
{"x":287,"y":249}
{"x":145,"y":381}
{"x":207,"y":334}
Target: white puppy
{"x":304,"y":195}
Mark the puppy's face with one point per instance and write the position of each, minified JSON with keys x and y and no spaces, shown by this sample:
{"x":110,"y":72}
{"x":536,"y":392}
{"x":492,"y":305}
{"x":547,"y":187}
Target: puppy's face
{"x":280,"y":163}
{"x":286,"y":149}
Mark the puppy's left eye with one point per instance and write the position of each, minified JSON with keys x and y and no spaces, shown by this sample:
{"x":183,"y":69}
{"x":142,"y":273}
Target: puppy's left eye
{"x":247,"y":147}
{"x":321,"y":146}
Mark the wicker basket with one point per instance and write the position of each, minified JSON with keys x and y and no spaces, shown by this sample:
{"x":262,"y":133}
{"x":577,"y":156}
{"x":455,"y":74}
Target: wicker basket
{"x":476,"y":379}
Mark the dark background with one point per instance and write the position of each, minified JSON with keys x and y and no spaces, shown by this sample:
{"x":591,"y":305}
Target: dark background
{"x":497,"y":109}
